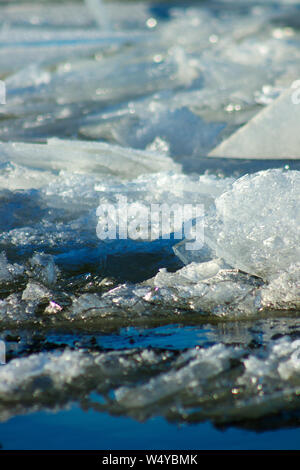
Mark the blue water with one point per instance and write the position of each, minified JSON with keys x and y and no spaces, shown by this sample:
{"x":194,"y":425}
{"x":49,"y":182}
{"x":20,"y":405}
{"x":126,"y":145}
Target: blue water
{"x":88,"y":430}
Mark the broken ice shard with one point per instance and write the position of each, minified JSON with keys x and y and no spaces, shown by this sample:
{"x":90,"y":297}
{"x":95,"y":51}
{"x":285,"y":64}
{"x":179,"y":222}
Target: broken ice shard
{"x":256,"y":224}
{"x":271,"y":134}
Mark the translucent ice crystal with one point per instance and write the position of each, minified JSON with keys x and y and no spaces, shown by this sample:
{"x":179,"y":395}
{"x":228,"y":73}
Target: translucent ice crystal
{"x":256,"y":224}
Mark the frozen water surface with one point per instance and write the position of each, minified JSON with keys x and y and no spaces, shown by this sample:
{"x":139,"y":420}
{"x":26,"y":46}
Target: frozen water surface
{"x":108,"y":100}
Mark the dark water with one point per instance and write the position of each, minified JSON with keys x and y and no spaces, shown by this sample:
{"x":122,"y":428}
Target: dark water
{"x":87,"y":430}
{"x":83,"y":425}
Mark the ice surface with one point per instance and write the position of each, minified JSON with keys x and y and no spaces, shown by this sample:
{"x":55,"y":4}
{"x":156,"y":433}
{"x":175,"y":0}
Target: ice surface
{"x":70,"y":75}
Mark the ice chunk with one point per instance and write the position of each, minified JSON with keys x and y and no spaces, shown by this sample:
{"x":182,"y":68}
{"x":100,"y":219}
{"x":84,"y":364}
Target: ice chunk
{"x":35,"y":291}
{"x":271,"y":134}
{"x":44,"y":269}
{"x":284,"y":291}
{"x":8,"y":271}
{"x":4,"y":271}
{"x":209,"y":287}
{"x":178,"y":131}
{"x":193,"y":273}
{"x":88,"y":305}
{"x":256,"y":224}
{"x":248,"y":229}
{"x":205,"y":288}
